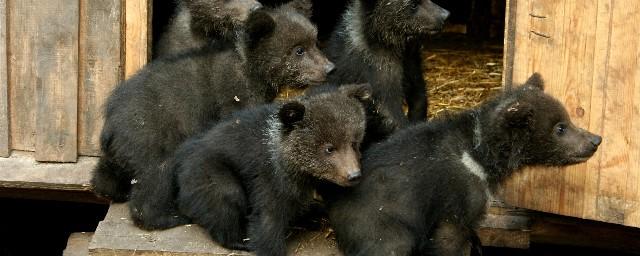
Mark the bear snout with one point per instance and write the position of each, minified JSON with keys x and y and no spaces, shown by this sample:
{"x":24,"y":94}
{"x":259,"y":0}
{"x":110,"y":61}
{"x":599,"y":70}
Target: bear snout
{"x":596,"y":140}
{"x":255,"y":7}
{"x":444,"y":14}
{"x":329,"y":67}
{"x":354,"y":175}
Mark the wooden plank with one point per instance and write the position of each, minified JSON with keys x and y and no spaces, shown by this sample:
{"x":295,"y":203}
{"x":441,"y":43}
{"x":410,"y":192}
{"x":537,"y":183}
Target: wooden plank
{"x":57,"y":80}
{"x":510,"y":22}
{"x":22,"y":78}
{"x":559,"y":230}
{"x":49,"y":194}
{"x":596,"y":115}
{"x":21,"y":170}
{"x":99,"y":67}
{"x":504,"y":238}
{"x":618,"y":110}
{"x":4,"y":86}
{"x":632,"y":195}
{"x":577,"y":59}
{"x":116,"y":235}
{"x":137,"y":40}
{"x":78,"y":244}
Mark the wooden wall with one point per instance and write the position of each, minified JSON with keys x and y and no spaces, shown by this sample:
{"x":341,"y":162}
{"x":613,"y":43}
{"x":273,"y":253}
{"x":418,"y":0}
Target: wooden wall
{"x":60,"y":60}
{"x":588,"y":52}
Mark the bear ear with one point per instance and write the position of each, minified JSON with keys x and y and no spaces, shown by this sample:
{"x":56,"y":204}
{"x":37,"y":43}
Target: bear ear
{"x":291,"y":113}
{"x":259,"y":25}
{"x":535,"y":81}
{"x":304,"y":7}
{"x":361,"y":92}
{"x":517,"y":114}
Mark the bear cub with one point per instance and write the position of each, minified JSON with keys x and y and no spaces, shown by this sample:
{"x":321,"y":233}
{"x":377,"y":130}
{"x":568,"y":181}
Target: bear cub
{"x":425,"y":189}
{"x":211,"y":23}
{"x":257,"y":171}
{"x":150,"y":114}
{"x":380,"y":42}
{"x":198,"y":23}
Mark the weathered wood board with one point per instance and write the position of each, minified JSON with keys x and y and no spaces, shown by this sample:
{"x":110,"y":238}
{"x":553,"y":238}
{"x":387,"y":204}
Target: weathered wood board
{"x":4,"y":86}
{"x":99,"y":67}
{"x":22,"y":171}
{"x":78,"y":244}
{"x":137,"y":34}
{"x":56,"y":82}
{"x":116,"y":235}
{"x":587,"y":52}
{"x":22,"y":79}
{"x":61,"y":60}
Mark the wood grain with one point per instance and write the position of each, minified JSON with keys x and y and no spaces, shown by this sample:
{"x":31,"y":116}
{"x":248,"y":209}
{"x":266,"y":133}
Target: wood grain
{"x":4,"y":86}
{"x":615,"y":171}
{"x":577,"y":49}
{"x":116,"y":235}
{"x":100,"y":64}
{"x":596,"y":113}
{"x":56,"y":79}
{"x":137,"y":39}
{"x":22,"y":73}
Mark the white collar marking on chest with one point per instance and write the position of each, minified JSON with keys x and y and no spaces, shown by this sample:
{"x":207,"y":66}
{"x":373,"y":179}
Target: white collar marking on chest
{"x":473,"y":166}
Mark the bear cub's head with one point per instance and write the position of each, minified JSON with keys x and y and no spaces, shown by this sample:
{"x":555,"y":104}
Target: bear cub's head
{"x":404,"y":19}
{"x":281,"y":46}
{"x":219,"y":16}
{"x":320,"y":135}
{"x":551,"y":137}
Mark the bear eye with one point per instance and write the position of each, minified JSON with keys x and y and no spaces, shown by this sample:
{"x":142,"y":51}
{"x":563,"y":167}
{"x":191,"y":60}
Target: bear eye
{"x":300,"y":50}
{"x":561,"y":129}
{"x":414,"y":4}
{"x":329,"y":149}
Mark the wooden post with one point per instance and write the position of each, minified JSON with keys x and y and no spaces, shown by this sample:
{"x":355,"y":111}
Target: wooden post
{"x":4,"y":86}
{"x":56,"y":84}
{"x":100,"y":71}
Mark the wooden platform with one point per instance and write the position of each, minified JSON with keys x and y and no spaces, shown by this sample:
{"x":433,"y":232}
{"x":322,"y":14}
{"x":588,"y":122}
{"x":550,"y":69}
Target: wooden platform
{"x":21,"y":170}
{"x":503,"y":227}
{"x":78,"y":244}
{"x":116,"y":235}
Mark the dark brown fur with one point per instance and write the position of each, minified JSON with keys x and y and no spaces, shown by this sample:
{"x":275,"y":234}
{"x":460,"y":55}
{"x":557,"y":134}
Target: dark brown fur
{"x":256,"y":172}
{"x":150,"y":114}
{"x":380,"y":42}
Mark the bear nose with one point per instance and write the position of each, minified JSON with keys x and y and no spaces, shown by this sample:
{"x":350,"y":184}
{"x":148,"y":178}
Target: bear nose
{"x":329,"y":68}
{"x":354,"y":175}
{"x":444,"y":14}
{"x":596,"y":140}
{"x":256,"y":6}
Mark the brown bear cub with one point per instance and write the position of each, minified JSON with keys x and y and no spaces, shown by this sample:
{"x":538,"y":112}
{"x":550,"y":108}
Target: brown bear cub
{"x":150,"y":114}
{"x":212,"y":23}
{"x":380,"y":42}
{"x":425,"y":188}
{"x":254,"y":173}
{"x":198,"y":23}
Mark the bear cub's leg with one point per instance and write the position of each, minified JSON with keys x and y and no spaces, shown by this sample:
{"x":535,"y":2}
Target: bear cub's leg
{"x":215,"y":200}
